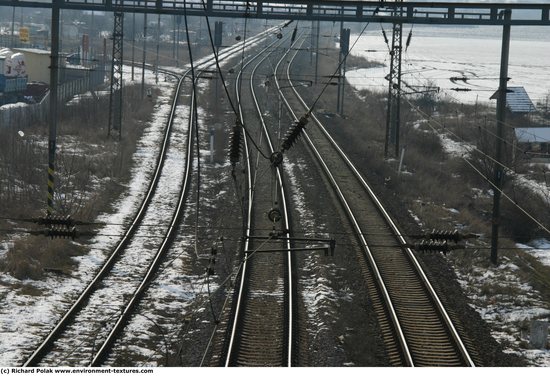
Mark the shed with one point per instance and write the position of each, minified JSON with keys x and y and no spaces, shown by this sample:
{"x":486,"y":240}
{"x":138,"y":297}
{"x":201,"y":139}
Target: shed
{"x":517,"y":100}
{"x":37,"y":62}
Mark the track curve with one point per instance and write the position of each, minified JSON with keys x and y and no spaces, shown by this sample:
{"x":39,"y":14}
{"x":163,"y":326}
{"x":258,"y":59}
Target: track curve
{"x":417,"y":330}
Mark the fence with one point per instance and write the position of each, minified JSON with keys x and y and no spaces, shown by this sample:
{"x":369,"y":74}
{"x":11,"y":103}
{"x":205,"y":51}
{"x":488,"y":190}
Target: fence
{"x":25,"y":115}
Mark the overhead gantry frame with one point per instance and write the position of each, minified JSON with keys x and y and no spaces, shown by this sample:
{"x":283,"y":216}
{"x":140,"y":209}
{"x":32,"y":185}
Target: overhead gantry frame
{"x":413,"y":12}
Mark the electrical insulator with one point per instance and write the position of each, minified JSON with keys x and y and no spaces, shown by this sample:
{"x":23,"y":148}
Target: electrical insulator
{"x":445,"y":235}
{"x":61,"y":232}
{"x":293,"y":133}
{"x":51,"y":220}
{"x":409,"y":40}
{"x":449,"y":235}
{"x":235,"y":144}
{"x":432,"y":246}
{"x":294,"y":34}
{"x":385,"y":37}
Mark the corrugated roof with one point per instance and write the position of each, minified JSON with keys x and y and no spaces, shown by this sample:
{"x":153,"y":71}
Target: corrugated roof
{"x":533,"y":135}
{"x":517,"y":100}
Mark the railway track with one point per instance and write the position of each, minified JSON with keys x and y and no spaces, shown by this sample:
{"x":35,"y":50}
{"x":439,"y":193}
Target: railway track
{"x":262,"y":324}
{"x":86,"y":332}
{"x":415,"y":326}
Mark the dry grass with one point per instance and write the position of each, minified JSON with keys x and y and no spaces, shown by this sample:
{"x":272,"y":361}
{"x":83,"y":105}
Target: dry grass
{"x":90,"y":171}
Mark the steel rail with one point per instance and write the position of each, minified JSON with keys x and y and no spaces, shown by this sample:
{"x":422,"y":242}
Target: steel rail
{"x":284,"y":196}
{"x":102,"y":353}
{"x":42,"y":349}
{"x":385,"y":293}
{"x":433,"y":294}
{"x":450,"y":326}
{"x":242,"y":289}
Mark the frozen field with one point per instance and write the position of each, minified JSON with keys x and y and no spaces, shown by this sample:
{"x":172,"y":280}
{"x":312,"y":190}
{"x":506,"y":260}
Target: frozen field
{"x":439,"y":55}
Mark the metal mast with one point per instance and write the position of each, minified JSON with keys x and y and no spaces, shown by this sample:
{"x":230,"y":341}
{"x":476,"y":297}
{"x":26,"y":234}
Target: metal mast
{"x":393,"y":115}
{"x":54,"y":77}
{"x":115,"y":102}
{"x":501,"y":119}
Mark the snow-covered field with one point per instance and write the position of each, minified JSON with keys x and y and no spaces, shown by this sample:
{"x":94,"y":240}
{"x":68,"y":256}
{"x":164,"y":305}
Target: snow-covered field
{"x":471,"y":54}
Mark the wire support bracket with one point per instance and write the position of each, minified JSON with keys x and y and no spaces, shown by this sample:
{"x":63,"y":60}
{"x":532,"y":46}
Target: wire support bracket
{"x":328,"y":247}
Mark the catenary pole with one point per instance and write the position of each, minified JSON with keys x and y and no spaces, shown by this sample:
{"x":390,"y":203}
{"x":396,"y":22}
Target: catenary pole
{"x":501,"y":118}
{"x":52,"y":137}
{"x":144,"y":55}
{"x":133,"y":43}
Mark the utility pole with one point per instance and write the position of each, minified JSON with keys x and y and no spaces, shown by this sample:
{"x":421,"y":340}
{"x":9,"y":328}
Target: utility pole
{"x":52,"y":138}
{"x":393,"y":114}
{"x":317,"y":51}
{"x":344,"y":49}
{"x":115,"y":101}
{"x":92,"y":37}
{"x":178,"y":20}
{"x":339,"y":83}
{"x":158,"y":46}
{"x":144,"y":55}
{"x":174,"y":37}
{"x":218,"y":41}
{"x":501,"y":118}
{"x":133,"y":43}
